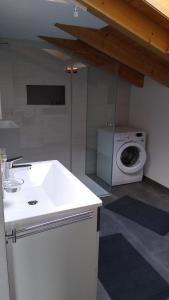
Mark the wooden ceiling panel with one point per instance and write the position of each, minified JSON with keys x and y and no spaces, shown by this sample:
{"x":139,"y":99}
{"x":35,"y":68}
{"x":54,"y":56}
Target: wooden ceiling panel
{"x":161,"y":6}
{"x":156,"y":10}
{"x":127,"y":16}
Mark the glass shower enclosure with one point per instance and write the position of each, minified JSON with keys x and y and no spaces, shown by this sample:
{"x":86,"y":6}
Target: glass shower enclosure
{"x":101,"y":104}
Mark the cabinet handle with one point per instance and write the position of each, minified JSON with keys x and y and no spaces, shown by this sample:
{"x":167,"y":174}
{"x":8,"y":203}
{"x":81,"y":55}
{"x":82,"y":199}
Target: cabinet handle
{"x":46,"y":226}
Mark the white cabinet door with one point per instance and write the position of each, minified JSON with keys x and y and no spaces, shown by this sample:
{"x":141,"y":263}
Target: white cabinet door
{"x":59,"y":264}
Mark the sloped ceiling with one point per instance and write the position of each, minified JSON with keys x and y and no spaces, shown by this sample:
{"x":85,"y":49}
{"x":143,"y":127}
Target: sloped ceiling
{"x":26,"y":19}
{"x":137,"y":35}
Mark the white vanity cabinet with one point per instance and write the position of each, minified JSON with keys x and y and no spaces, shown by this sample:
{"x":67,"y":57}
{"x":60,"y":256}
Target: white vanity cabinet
{"x":55,"y":260}
{"x":52,"y":246}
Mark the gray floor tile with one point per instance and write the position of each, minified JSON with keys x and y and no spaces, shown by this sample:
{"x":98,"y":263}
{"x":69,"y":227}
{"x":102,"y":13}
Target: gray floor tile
{"x":153,"y":247}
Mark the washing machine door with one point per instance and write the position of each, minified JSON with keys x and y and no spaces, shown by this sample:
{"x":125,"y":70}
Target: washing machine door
{"x":131,"y":157}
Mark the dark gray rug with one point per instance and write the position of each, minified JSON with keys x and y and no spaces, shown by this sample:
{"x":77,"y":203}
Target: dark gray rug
{"x":125,"y":274}
{"x":144,"y":214}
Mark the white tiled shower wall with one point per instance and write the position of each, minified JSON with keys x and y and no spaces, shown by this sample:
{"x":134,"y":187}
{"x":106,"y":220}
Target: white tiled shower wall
{"x":45,"y":131}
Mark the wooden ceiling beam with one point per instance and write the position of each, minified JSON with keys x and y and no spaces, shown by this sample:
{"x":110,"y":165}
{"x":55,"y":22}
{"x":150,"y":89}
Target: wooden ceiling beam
{"x":114,"y":45}
{"x":156,"y":10}
{"x":97,"y":59}
{"x":128,"y":20}
{"x":161,"y":6}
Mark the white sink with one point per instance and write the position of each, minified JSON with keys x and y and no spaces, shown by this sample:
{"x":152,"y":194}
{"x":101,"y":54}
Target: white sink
{"x":53,"y":186}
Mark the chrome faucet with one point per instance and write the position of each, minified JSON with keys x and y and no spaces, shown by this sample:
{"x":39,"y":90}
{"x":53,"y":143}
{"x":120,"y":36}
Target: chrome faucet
{"x":9,"y":164}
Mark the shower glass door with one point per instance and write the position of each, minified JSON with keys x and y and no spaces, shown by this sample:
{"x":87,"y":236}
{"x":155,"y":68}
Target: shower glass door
{"x":101,"y":91}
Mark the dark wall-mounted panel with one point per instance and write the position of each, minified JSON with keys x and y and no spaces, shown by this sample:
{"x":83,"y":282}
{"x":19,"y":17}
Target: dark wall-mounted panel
{"x":45,"y":94}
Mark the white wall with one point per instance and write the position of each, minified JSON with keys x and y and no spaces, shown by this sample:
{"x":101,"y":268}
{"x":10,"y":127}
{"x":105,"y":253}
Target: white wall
{"x":149,"y":110}
{"x":122,"y":102}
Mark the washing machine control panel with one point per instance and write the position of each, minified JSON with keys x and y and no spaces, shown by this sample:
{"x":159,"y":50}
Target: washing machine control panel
{"x":124,"y":137}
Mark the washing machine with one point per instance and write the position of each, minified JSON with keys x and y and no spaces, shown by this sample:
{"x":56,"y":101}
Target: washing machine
{"x":121,"y":155}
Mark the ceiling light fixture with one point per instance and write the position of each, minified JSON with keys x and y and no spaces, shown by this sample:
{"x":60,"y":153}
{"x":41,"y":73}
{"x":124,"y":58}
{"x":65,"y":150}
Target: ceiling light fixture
{"x":74,"y":68}
{"x":71,"y":69}
{"x":76,"y":12}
